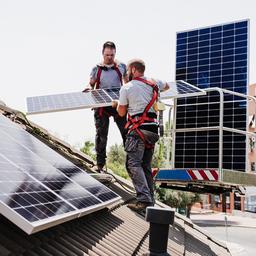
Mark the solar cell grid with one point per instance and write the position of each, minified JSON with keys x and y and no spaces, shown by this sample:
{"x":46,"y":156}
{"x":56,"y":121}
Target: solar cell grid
{"x":70,"y":101}
{"x":53,"y":178}
{"x":221,"y":50}
{"x":197,"y":149}
{"x":32,"y":186}
{"x":180,"y":89}
{"x":34,"y":165}
{"x":96,"y":98}
{"x":212,"y":57}
{"x":20,"y":192}
{"x":113,"y":93}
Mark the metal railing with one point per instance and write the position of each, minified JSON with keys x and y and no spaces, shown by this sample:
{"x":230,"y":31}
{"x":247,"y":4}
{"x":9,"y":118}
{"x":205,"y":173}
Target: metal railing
{"x":220,"y":127}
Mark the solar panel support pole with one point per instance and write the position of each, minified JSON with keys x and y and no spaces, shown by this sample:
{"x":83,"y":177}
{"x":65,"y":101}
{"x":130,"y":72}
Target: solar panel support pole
{"x":174,"y":132}
{"x":221,"y":134}
{"x":169,"y":134}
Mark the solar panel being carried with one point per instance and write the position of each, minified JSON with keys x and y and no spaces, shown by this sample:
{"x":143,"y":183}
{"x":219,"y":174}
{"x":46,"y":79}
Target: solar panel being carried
{"x":99,"y":98}
{"x":69,"y":101}
{"x":181,"y":89}
{"x":210,"y":57}
{"x":39,"y":188}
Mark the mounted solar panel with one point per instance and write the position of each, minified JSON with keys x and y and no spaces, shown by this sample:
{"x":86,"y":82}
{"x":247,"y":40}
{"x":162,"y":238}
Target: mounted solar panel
{"x":98,"y":98}
{"x":207,"y":58}
{"x":38,"y":187}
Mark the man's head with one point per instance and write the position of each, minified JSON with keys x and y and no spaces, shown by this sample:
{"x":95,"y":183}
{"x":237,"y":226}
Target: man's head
{"x":135,"y":68}
{"x":109,"y":52}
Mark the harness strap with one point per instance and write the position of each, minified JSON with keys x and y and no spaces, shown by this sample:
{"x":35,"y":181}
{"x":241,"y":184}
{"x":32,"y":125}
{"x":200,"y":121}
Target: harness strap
{"x":119,"y":73}
{"x":97,"y":85}
{"x":115,"y":67}
{"x":137,"y":119}
{"x":134,"y":123}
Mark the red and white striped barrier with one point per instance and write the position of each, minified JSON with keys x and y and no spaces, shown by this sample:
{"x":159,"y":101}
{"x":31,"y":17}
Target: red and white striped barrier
{"x":201,"y":174}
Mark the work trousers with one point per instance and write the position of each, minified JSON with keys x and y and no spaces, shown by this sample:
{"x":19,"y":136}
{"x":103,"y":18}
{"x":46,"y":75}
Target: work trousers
{"x":101,"y":119}
{"x":138,"y":164}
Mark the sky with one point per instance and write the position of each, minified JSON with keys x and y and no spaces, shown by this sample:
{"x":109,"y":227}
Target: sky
{"x":50,"y":47}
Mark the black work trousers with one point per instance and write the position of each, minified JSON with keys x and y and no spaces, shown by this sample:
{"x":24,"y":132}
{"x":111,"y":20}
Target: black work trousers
{"x":138,"y":164}
{"x":101,"y":119}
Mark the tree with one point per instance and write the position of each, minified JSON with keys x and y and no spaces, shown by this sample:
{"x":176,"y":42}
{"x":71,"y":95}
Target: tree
{"x":182,"y":201}
{"x":158,"y":157}
{"x":162,"y":149}
{"x":187,"y":201}
{"x":116,"y":160}
{"x":88,"y":149}
{"x":116,"y":154}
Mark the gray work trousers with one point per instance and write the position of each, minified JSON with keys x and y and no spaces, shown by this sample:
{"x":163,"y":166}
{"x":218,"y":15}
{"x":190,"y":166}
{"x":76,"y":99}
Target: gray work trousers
{"x":138,"y":164}
{"x":101,"y":119}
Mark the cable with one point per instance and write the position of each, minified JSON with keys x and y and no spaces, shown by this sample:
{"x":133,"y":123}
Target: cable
{"x":116,"y":180}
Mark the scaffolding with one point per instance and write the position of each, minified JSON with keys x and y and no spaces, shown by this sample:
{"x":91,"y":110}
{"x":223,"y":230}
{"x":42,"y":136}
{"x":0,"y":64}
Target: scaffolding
{"x":210,"y":179}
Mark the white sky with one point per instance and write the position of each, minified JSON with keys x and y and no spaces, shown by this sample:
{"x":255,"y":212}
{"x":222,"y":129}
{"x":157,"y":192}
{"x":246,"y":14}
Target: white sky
{"x":50,"y":46}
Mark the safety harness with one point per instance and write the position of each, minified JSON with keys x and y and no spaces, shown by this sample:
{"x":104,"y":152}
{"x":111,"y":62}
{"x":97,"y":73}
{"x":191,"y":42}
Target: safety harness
{"x":100,"y":68}
{"x":97,"y":85}
{"x":134,"y":122}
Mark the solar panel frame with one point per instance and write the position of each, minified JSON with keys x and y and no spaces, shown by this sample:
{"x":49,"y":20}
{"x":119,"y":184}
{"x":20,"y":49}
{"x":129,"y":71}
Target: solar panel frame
{"x":98,"y":98}
{"x":243,"y":52}
{"x":175,"y":90}
{"x":36,"y":225}
{"x":76,"y":100}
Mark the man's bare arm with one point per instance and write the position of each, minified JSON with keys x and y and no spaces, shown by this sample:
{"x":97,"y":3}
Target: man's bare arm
{"x":90,"y":86}
{"x":126,"y":79}
{"x":122,"y":110}
{"x":166,"y":87}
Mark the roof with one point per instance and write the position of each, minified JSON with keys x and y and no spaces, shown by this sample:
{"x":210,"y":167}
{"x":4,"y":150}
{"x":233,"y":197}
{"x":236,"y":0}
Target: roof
{"x":116,"y":232}
{"x":112,"y":231}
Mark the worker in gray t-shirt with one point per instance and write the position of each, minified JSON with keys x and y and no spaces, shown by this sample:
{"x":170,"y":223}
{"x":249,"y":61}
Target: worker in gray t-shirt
{"x":139,"y":99}
{"x":107,"y":75}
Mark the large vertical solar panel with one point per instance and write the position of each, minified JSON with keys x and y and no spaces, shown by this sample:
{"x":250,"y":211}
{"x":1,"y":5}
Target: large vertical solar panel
{"x":212,"y":57}
{"x":40,"y":188}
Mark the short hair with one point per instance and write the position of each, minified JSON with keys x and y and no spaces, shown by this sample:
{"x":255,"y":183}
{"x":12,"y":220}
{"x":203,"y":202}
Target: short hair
{"x":137,"y":64}
{"x":108,"y":44}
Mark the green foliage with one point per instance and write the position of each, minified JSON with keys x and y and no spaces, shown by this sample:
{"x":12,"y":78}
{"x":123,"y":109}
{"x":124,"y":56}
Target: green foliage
{"x":116,"y":160}
{"x":88,"y":149}
{"x":180,"y":200}
{"x":118,"y":169}
{"x":116,"y":154}
{"x":168,"y":196}
{"x":158,"y":157}
{"x":162,"y":149}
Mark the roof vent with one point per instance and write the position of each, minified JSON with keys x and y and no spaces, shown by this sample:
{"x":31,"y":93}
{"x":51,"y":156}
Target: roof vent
{"x":160,"y":219}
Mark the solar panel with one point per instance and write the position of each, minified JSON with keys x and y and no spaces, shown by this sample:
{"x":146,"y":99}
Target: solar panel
{"x":212,"y":57}
{"x":181,"y":89}
{"x":98,"y":98}
{"x":26,"y":196}
{"x":68,"y":101}
{"x":39,"y":186}
{"x":113,"y":93}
